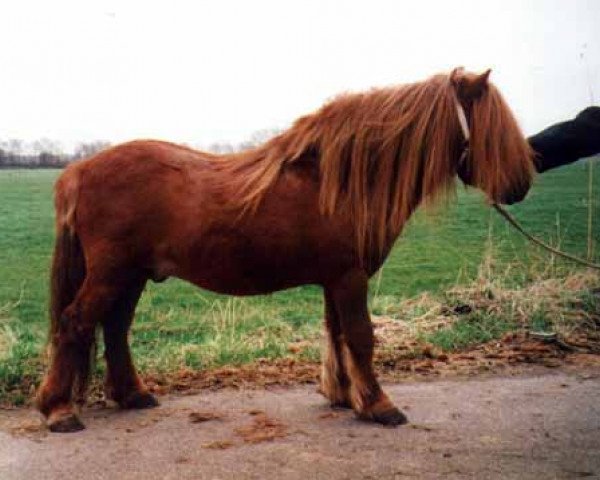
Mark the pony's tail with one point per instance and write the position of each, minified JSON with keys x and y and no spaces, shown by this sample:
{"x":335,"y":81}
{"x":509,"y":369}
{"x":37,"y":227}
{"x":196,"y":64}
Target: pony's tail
{"x":68,"y":263}
{"x":68,"y":272}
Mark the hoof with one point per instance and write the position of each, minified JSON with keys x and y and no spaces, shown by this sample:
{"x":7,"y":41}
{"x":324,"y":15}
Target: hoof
{"x":343,"y":404}
{"x":391,"y":417}
{"x":139,"y":400}
{"x":64,"y":423}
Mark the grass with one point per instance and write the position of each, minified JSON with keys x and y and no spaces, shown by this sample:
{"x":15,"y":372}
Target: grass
{"x":567,"y":306}
{"x":477,"y":328}
{"x":178,"y":325}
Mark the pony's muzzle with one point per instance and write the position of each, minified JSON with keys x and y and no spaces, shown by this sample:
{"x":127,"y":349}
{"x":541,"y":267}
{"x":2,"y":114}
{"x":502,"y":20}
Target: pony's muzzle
{"x":514,"y":196}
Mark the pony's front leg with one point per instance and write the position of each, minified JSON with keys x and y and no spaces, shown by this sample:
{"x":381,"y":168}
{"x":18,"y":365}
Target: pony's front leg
{"x":349,"y":295}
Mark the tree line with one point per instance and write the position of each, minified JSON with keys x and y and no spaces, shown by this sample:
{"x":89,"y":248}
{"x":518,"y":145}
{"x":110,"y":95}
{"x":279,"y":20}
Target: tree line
{"x":45,"y":153}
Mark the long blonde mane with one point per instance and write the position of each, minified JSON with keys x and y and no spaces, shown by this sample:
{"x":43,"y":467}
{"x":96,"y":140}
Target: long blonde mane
{"x":384,"y":151}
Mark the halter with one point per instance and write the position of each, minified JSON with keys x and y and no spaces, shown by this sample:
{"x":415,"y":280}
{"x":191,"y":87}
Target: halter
{"x":464,"y":126}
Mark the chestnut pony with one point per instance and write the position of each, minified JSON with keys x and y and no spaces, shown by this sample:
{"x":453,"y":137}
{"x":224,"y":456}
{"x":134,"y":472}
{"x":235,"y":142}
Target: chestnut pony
{"x":322,"y":203}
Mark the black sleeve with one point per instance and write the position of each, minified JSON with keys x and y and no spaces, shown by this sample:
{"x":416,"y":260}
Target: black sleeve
{"x":569,"y":141}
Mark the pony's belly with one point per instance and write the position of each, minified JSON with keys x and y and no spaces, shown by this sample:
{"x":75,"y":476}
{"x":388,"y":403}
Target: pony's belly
{"x":243,"y":270}
{"x":234,"y":281}
{"x":241,"y":286}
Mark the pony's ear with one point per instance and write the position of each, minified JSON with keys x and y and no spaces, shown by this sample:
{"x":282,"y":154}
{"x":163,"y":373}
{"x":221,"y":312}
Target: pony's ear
{"x":468,"y":85}
{"x":481,"y":81}
{"x":457,"y":75}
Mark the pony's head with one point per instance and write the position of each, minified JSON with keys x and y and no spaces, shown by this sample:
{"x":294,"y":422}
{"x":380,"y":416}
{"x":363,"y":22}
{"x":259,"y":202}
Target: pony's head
{"x":499,"y":160}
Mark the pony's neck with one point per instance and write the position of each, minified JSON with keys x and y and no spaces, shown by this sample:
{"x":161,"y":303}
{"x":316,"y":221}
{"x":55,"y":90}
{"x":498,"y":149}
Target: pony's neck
{"x":380,"y":154}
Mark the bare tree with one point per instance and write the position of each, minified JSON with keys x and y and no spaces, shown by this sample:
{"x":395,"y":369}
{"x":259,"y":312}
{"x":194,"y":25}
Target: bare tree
{"x":261,"y":136}
{"x":88,"y":149}
{"x":220,"y":147}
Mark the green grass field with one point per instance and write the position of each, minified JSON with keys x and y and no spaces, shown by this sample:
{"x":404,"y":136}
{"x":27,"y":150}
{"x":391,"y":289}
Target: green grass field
{"x":179,"y":325}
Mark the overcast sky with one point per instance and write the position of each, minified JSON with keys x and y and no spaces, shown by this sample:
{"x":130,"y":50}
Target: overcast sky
{"x":200,"y":71}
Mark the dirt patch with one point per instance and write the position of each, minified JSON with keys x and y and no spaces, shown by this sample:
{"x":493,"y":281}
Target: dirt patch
{"x":326,"y":415}
{"x":496,"y":356}
{"x":264,"y":373}
{"x":262,"y":429}
{"x":200,"y":417}
{"x":255,"y":411}
{"x":218,"y":444}
{"x":33,"y":429}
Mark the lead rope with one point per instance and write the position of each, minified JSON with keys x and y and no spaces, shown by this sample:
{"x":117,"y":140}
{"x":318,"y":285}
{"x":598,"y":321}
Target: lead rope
{"x":513,"y":221}
{"x":462,"y":119}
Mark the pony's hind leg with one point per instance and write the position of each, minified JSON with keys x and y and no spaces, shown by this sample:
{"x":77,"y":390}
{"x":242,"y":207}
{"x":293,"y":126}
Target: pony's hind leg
{"x":335,"y":383}
{"x":123,"y":384}
{"x":70,"y":362}
{"x":368,"y":400}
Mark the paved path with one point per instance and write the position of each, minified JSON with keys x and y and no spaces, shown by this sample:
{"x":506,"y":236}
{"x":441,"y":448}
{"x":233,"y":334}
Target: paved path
{"x":512,"y":427}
